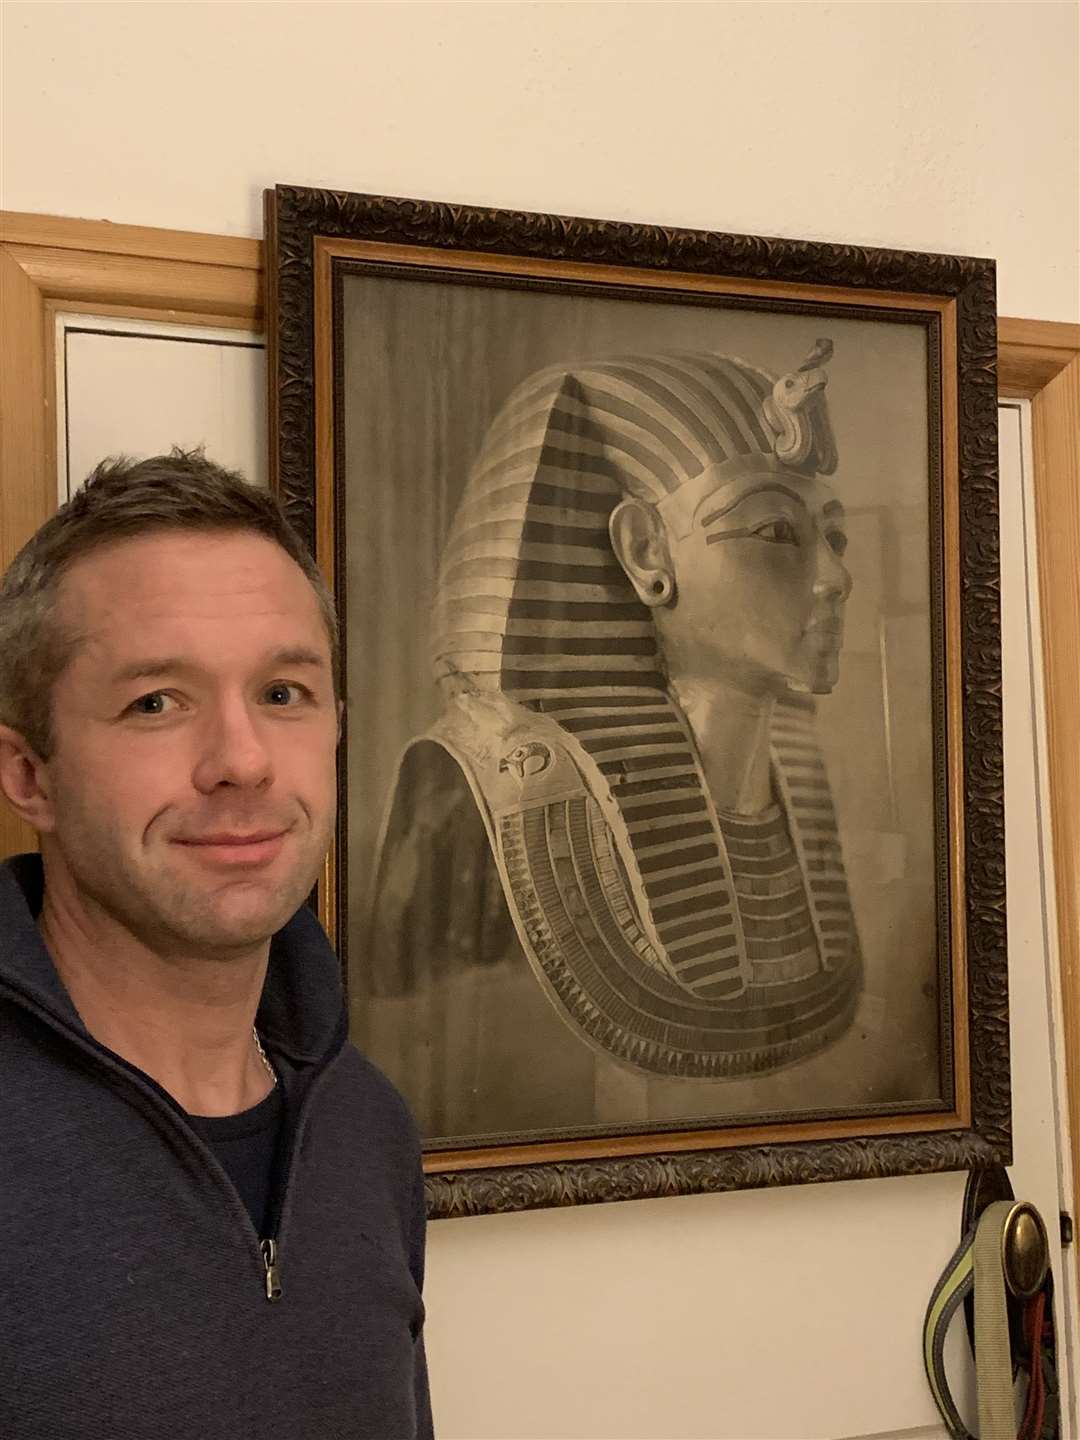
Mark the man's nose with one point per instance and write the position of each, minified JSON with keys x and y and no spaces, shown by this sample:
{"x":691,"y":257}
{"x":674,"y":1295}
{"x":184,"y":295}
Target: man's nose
{"x":234,"y":750}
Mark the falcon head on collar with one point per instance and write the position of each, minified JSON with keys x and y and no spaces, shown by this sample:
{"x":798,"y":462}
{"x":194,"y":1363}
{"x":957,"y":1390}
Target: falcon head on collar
{"x":526,"y":760}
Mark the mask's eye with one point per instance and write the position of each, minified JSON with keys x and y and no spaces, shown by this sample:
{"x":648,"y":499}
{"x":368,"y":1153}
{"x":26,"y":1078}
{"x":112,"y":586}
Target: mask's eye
{"x":837,"y":541}
{"x":778,"y":532}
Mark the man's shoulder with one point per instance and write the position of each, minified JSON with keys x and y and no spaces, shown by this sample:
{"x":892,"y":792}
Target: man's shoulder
{"x":373,"y":1100}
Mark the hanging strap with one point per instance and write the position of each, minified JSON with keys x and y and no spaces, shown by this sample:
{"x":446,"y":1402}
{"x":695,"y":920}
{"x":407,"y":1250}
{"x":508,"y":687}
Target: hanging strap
{"x":981,"y":1263}
{"x":993,"y":1353}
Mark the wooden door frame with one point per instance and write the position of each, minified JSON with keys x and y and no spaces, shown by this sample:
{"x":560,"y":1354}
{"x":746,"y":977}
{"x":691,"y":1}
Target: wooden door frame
{"x":1040,"y":361}
{"x":48,"y":263}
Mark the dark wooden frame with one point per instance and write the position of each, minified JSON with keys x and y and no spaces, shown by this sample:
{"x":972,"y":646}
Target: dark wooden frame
{"x":307,"y":230}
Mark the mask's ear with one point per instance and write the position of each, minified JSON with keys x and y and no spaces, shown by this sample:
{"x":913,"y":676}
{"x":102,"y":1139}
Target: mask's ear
{"x":640,"y":543}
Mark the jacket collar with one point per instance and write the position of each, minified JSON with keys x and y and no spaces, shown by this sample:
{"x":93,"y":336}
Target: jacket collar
{"x":301,"y":1012}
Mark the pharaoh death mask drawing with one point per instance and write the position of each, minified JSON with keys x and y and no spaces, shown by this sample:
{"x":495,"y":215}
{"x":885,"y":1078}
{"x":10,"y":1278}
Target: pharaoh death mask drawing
{"x":641,"y":593}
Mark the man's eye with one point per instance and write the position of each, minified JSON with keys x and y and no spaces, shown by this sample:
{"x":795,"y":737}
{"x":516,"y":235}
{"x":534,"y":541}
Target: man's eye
{"x":779,"y":532}
{"x":281,"y":688}
{"x":154,"y":703}
{"x":837,"y":541}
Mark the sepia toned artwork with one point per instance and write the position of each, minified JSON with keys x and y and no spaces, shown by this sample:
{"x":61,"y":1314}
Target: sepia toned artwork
{"x":648,"y":874}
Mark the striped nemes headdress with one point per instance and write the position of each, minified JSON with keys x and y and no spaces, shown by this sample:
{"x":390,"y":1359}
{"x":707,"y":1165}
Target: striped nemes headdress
{"x":531,"y":599}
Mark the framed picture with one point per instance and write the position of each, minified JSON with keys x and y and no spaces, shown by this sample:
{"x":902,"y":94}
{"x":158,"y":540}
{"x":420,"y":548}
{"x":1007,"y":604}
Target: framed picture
{"x":670,"y":852}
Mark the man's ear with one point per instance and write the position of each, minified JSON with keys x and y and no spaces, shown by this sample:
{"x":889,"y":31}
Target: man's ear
{"x":24,"y":781}
{"x":640,"y":543}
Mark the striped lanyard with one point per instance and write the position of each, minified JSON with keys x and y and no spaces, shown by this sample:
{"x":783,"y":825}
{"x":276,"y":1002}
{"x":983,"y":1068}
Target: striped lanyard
{"x":1005,"y":1251}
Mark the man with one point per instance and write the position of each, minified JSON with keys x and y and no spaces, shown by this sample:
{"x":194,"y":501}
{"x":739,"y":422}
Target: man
{"x":211,"y":1205}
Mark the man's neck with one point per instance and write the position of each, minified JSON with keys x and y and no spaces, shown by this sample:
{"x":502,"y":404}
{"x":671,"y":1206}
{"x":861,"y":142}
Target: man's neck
{"x":186,"y":1023}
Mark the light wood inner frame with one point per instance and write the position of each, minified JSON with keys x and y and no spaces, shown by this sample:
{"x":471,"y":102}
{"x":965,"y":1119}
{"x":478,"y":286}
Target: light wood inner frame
{"x":49,"y":263}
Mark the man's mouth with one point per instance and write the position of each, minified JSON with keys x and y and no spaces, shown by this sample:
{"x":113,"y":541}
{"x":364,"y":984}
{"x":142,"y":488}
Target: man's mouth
{"x":228,"y":847}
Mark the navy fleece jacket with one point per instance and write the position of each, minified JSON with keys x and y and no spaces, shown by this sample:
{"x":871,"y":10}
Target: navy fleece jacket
{"x":133,"y":1286}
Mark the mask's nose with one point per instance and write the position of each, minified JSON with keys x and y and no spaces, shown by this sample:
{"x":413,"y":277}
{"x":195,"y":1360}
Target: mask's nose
{"x":833,"y":579}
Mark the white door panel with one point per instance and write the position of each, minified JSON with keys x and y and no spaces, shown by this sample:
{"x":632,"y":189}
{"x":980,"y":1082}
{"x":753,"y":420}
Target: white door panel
{"x":137,"y":388}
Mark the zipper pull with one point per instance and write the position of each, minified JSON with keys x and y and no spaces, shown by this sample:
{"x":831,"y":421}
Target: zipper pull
{"x":270,"y":1261}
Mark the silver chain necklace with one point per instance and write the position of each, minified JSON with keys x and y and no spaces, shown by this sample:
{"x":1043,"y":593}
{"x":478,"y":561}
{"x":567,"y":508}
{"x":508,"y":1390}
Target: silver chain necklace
{"x":262,"y":1055}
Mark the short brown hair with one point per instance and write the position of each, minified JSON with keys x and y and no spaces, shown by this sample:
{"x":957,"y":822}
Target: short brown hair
{"x":121,"y":499}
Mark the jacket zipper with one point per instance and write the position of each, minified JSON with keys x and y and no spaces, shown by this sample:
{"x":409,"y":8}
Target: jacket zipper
{"x":270,"y":1248}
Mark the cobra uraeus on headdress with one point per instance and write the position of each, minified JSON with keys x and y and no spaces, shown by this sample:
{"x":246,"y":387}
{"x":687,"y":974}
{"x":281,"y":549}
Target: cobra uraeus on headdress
{"x":612,"y":856}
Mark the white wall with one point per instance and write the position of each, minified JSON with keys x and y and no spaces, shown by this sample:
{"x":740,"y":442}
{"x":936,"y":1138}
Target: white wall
{"x":950,"y":127}
{"x":929,"y":126}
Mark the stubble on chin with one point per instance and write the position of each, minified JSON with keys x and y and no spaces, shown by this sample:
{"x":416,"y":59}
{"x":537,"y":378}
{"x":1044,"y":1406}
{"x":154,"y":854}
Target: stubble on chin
{"x":220,"y":912}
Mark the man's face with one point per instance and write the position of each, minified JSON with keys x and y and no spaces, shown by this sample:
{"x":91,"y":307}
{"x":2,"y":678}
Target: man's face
{"x":761,"y":585}
{"x":199,"y":708}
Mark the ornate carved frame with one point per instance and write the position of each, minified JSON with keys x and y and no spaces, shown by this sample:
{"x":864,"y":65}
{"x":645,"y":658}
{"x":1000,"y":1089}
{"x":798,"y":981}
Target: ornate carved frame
{"x":308,"y":231}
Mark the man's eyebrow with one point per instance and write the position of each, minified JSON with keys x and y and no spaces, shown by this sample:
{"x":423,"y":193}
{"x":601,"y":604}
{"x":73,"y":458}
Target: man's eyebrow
{"x":833,"y":508}
{"x":154,"y":668}
{"x":746,"y":494}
